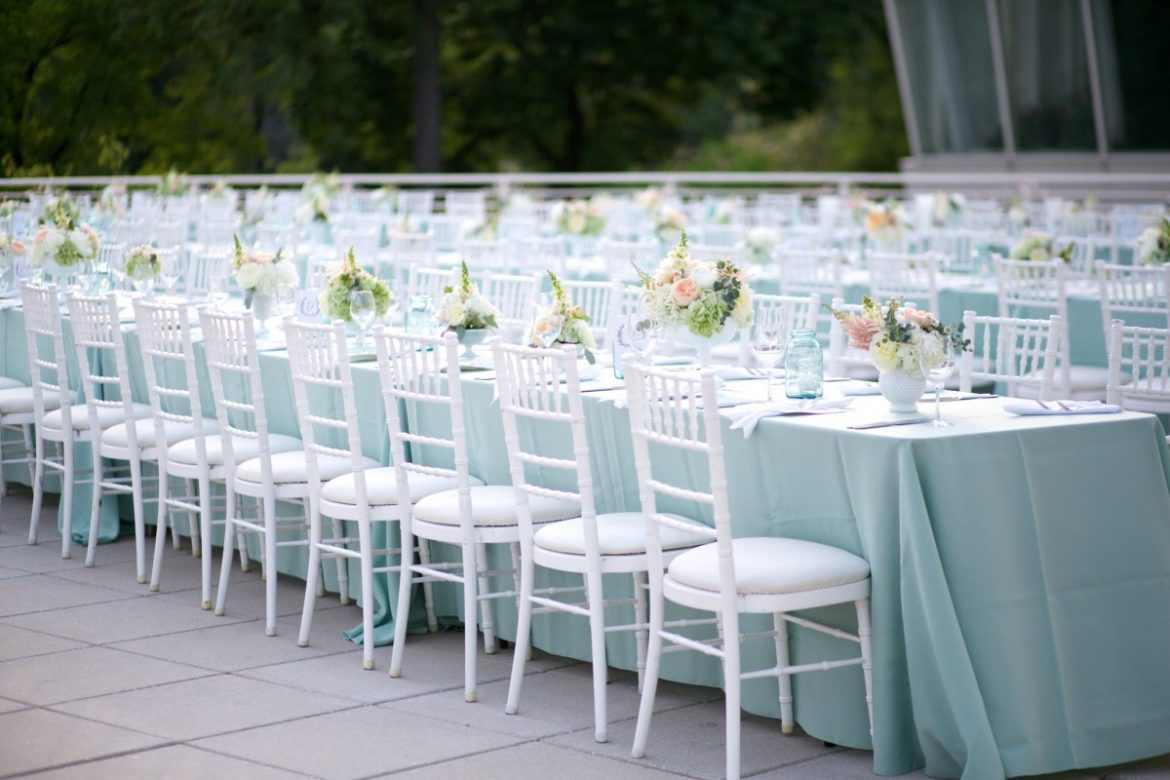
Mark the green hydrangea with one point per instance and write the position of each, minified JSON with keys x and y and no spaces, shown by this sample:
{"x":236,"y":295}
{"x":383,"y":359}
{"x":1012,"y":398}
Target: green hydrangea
{"x":705,"y":316}
{"x":334,"y":299}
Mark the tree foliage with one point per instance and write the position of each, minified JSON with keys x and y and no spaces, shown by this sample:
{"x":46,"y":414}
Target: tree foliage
{"x":108,"y":86}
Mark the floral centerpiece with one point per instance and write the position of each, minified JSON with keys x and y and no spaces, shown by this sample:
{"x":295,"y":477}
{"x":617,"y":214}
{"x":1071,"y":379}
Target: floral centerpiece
{"x":143,"y":264}
{"x":262,"y":273}
{"x":1154,"y":244}
{"x":562,"y":322}
{"x":59,"y":207}
{"x":317,"y":192}
{"x":760,"y":242}
{"x":9,"y":245}
{"x":463,"y":308}
{"x":173,"y":184}
{"x":722,"y":210}
{"x":578,"y":218}
{"x":344,"y":279}
{"x":701,"y":302}
{"x":219,"y":190}
{"x":649,"y":199}
{"x":65,"y":242}
{"x":947,"y":208}
{"x":1017,"y":215}
{"x":886,"y":223}
{"x":669,"y":223}
{"x":858,"y":206}
{"x":112,"y":201}
{"x":1039,"y":246}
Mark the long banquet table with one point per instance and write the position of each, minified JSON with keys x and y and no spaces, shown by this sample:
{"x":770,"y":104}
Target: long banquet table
{"x":1021,"y":568}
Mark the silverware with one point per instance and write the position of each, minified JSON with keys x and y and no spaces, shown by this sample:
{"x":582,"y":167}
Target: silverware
{"x":887,"y":423}
{"x":970,"y":397}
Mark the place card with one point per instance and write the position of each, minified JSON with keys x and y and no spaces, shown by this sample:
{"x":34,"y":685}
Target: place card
{"x":308,"y":305}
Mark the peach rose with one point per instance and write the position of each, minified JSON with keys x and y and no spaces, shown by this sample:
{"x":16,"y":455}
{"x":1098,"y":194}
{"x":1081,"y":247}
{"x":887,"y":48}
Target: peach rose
{"x":875,"y":221}
{"x":684,"y":291}
{"x":917,"y":316}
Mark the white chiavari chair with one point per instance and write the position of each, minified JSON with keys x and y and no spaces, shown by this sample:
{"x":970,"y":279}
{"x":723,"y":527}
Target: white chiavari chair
{"x":906,"y":275}
{"x":423,"y":372}
{"x":169,"y":233}
{"x":716,"y":252}
{"x":168,"y":358}
{"x":125,"y":431}
{"x":1141,"y":293}
{"x":533,"y":254}
{"x":1030,"y":288}
{"x":515,"y":296}
{"x":1139,"y":368}
{"x":1086,"y":250}
{"x":1019,"y":353}
{"x":445,"y":228}
{"x":601,"y":302}
{"x":405,"y":250}
{"x":466,"y":205}
{"x":797,"y":312}
{"x":580,"y":541}
{"x":484,"y":256}
{"x":216,"y":235}
{"x":727,"y":576}
{"x":620,"y":258}
{"x":356,"y":489}
{"x":273,"y":236}
{"x":206,"y":270}
{"x":257,"y":464}
{"x":430,"y":282}
{"x":417,"y":204}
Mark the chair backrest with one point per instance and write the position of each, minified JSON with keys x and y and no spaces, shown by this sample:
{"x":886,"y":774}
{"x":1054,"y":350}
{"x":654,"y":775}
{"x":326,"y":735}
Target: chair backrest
{"x":319,"y":363}
{"x":906,"y":275}
{"x":1085,"y":252}
{"x":631,"y":300}
{"x":445,"y":228}
{"x":726,"y":236}
{"x":1021,"y":353}
{"x":713,"y":252}
{"x":216,"y":234}
{"x":1139,"y":367}
{"x":272,"y":236}
{"x":542,"y":387}
{"x":233,"y":366}
{"x":466,"y":205}
{"x":1028,"y":288}
{"x":168,"y":359}
{"x":960,"y":249}
{"x":533,"y":254}
{"x":804,"y":271}
{"x":429,"y":281}
{"x":514,"y":296}
{"x":601,"y":302}
{"x":416,"y":203}
{"x":365,"y":241}
{"x":48,"y":363}
{"x":169,"y":233}
{"x":424,"y":370}
{"x":620,"y":257}
{"x":483,"y":255}
{"x":97,"y":336}
{"x":1133,"y":291}
{"x":206,"y":269}
{"x":667,"y":412}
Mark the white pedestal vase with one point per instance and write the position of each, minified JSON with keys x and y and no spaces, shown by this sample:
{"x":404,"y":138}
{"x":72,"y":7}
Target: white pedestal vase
{"x":704,"y":344}
{"x":901,"y":389}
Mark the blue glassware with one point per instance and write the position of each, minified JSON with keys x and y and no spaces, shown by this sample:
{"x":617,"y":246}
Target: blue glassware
{"x":804,"y":366}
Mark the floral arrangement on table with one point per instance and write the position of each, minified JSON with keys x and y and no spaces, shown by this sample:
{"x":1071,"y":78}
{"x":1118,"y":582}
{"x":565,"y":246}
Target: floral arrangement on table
{"x":386,"y":195}
{"x":1017,"y":215}
{"x":219,"y":190}
{"x":721,"y":211}
{"x":1154,"y":244}
{"x":649,"y":199}
{"x":698,"y":295}
{"x":760,"y":242}
{"x":562,"y":322}
{"x":142,"y":263}
{"x":482,"y":230}
{"x":1039,"y":246}
{"x":947,"y":208}
{"x":898,"y":338}
{"x":65,"y":242}
{"x":8,"y":245}
{"x":112,"y":201}
{"x":173,"y":184}
{"x":857,"y":205}
{"x":317,"y":192}
{"x":886,"y":223}
{"x":8,"y":207}
{"x":262,"y":273}
{"x":256,"y":207}
{"x":56,"y":206}
{"x":463,"y":308}
{"x":669,"y":223}
{"x":344,"y":279}
{"x":578,"y":218}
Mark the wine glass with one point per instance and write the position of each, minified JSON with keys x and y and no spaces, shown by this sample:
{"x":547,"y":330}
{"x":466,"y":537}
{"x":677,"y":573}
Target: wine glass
{"x":938,"y":375}
{"x":641,"y":335}
{"x":170,"y":269}
{"x":362,"y":312}
{"x":769,"y":341}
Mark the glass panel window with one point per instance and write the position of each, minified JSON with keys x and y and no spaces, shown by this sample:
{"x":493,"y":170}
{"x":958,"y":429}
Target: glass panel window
{"x":1134,"y":61}
{"x":1048,"y":75}
{"x":952,"y":84}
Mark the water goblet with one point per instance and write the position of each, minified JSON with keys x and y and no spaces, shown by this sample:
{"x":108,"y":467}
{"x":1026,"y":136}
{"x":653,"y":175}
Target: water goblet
{"x":938,"y":375}
{"x":170,"y":269}
{"x":769,"y":341}
{"x":362,"y":313}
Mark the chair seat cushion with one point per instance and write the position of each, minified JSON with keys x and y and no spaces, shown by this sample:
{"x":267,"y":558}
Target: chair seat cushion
{"x":769,"y":565}
{"x":492,"y":505}
{"x":618,"y":533}
{"x":1137,"y":404}
{"x":1088,"y":384}
{"x":7,"y":382}
{"x":19,"y":400}
{"x":144,"y":430}
{"x":290,"y":467}
{"x":243,"y":448}
{"x":107,"y":416}
{"x":382,"y":486}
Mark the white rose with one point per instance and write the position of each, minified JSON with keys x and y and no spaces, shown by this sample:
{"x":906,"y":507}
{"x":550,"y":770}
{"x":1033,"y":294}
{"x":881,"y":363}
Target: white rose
{"x":456,"y":314}
{"x":248,"y":275}
{"x":287,"y":274}
{"x":704,"y":275}
{"x":480,"y":306}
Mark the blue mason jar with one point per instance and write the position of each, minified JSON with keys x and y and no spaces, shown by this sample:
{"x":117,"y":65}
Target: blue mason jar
{"x":804,"y":366}
{"x":419,"y":315}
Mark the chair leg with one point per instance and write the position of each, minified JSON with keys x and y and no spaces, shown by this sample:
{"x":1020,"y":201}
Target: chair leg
{"x":593,"y":588}
{"x":95,"y":510}
{"x":229,"y":539}
{"x":514,"y":550}
{"x":139,"y":519}
{"x":523,"y":633}
{"x":405,"y":584}
{"x":312,"y":577}
{"x":68,"y":457}
{"x":640,"y":634}
{"x":785,"y":679}
{"x":342,"y":561}
{"x":731,"y":690}
{"x":864,"y":633}
{"x":471,"y":604}
{"x":194,"y":519}
{"x":270,"y":565}
{"x":245,"y":561}
{"x":424,"y":557}
{"x":487,"y":620}
{"x":160,"y":536}
{"x":205,"y":552}
{"x":650,"y":683}
{"x":38,"y":486}
{"x":367,"y":573}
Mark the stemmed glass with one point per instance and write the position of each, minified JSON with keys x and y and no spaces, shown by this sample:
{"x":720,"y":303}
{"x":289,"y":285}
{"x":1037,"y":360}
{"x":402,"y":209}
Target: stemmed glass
{"x":171,"y":268}
{"x":938,"y":375}
{"x":362,"y":312}
{"x":769,"y":341}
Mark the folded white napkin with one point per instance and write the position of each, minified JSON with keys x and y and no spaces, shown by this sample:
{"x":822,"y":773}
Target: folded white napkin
{"x":748,"y":416}
{"x":861,"y":390}
{"x":1060,"y":407}
{"x":735,"y":373}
